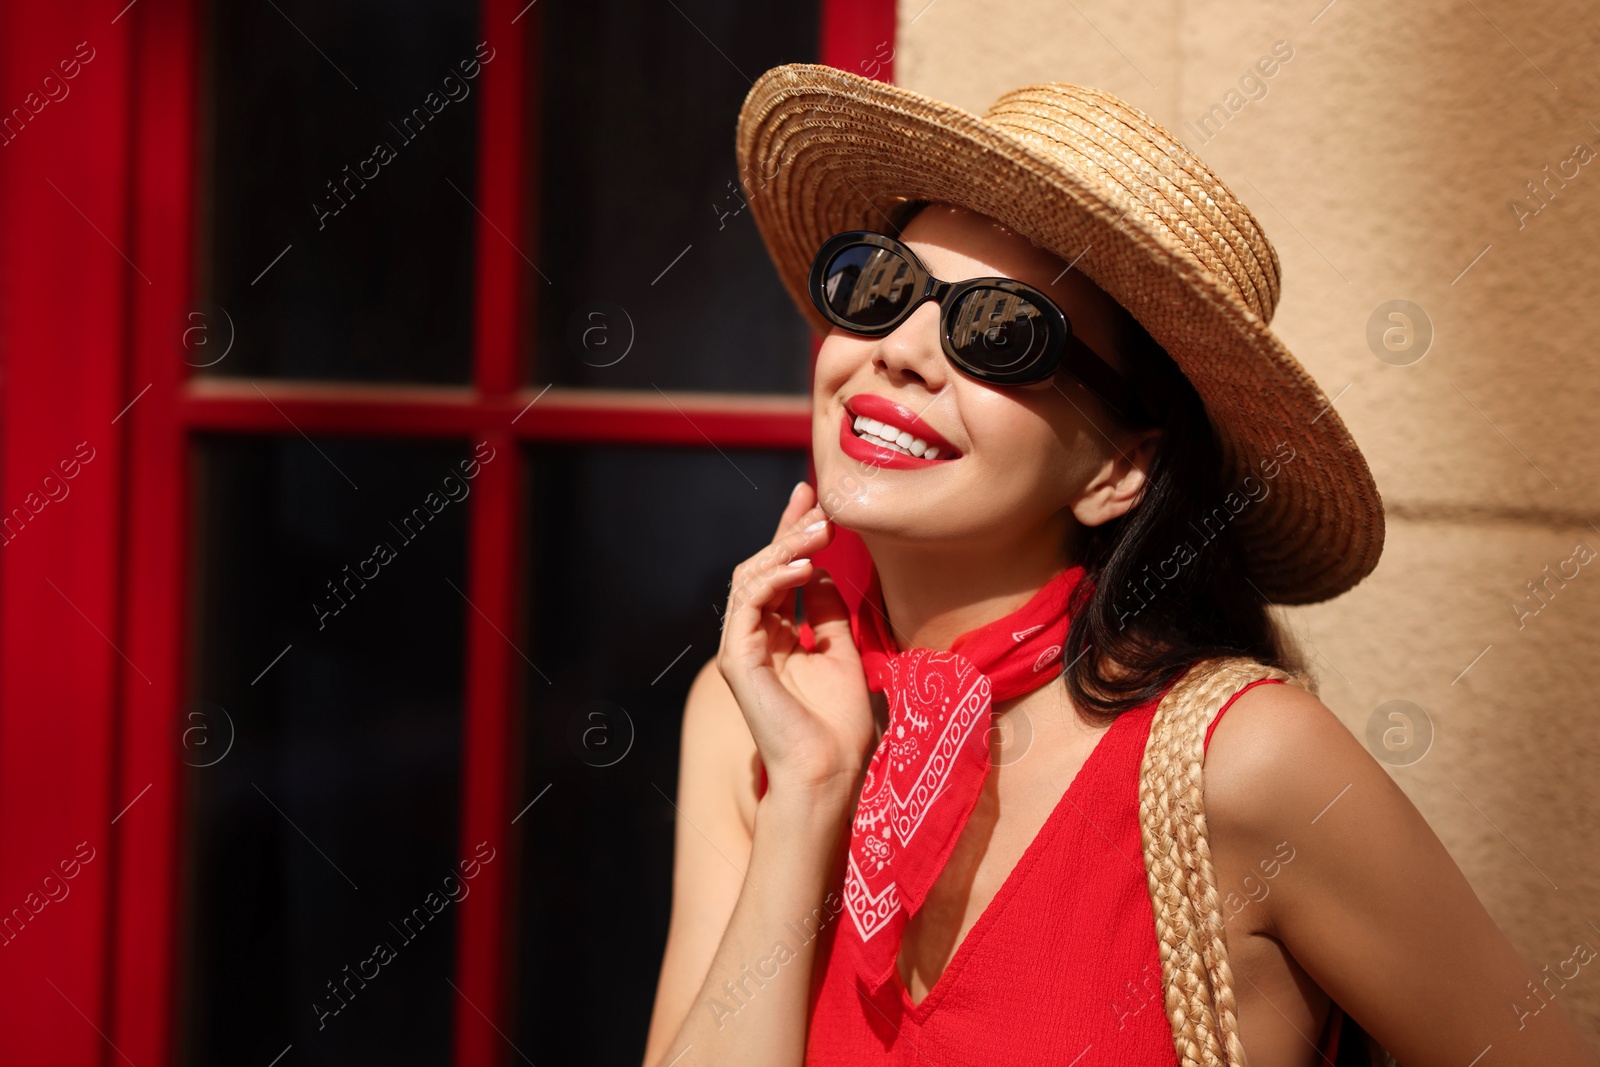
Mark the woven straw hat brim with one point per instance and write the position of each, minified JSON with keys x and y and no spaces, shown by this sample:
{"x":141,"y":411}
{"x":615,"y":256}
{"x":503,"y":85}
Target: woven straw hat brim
{"x":1102,"y":185}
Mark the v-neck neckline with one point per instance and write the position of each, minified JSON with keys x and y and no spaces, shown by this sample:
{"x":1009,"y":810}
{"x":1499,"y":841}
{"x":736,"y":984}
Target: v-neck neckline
{"x":920,"y":1010}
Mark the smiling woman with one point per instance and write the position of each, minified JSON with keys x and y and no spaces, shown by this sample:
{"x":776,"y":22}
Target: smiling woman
{"x":1111,"y":667}
{"x":908,"y":750}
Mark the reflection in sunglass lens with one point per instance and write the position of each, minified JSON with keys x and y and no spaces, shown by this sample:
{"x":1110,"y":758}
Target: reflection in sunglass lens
{"x":868,"y":286}
{"x":998,"y":330}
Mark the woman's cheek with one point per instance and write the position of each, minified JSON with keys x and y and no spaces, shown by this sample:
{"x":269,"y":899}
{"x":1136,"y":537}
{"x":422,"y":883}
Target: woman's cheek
{"x":1048,"y":467}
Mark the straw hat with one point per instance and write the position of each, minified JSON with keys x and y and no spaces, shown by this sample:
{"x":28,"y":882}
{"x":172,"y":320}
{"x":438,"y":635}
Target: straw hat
{"x":1105,"y":187}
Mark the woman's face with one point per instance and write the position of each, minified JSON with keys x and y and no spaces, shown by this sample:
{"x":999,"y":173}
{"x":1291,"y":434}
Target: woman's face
{"x":1029,"y":460}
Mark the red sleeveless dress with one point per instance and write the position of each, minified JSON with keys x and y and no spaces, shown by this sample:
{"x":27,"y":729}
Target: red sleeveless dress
{"x":1062,"y":966}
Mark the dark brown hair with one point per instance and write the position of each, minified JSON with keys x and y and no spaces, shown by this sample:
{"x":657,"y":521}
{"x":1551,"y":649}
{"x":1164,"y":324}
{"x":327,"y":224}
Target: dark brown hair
{"x":1137,"y":625}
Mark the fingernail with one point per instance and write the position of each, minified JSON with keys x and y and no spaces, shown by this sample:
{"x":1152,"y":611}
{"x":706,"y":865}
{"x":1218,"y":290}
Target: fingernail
{"x":814,"y":527}
{"x":795,"y":492}
{"x":801,"y":562}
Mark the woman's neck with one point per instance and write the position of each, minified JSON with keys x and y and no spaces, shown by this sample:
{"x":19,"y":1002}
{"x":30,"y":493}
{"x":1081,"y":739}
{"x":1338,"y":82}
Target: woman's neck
{"x":935,"y":593}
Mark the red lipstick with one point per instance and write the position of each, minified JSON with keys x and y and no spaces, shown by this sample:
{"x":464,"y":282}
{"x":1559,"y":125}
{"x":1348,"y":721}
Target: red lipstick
{"x":901,"y":418}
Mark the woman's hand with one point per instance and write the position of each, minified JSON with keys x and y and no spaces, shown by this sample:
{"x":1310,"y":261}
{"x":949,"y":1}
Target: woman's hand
{"x":809,"y":712}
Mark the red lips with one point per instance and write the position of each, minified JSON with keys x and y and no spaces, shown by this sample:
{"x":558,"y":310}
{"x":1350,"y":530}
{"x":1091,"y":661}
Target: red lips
{"x":898,"y":416}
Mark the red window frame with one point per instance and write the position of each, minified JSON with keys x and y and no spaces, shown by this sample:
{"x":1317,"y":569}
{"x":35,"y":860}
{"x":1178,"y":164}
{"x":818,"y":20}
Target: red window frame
{"x":97,"y":238}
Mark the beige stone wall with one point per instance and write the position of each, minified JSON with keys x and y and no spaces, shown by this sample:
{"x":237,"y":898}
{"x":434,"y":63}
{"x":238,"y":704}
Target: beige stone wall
{"x":1382,"y":161}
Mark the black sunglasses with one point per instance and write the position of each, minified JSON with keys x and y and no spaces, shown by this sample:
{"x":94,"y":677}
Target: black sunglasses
{"x":993,"y":329}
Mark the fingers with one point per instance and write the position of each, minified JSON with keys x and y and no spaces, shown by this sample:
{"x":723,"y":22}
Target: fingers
{"x":782,"y":566}
{"x":788,"y":523}
{"x":764,"y":586}
{"x":753,"y":639}
{"x":826,"y":610}
{"x":800,"y":499}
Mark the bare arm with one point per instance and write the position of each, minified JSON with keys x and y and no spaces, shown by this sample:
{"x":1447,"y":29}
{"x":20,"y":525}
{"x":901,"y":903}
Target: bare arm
{"x":1373,"y":907}
{"x":751,"y":1007}
{"x":711,"y":851}
{"x":713,"y":867}
{"x":749,"y":890}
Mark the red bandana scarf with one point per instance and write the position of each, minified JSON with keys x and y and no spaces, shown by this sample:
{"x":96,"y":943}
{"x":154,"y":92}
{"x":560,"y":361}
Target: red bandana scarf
{"x":929,"y":768}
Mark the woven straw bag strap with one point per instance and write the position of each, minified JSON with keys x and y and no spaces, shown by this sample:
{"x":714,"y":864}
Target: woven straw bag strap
{"x":1177,"y":859}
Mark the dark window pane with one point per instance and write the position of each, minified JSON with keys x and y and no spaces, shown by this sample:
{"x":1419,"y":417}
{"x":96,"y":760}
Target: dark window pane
{"x":333,"y":766}
{"x":636,"y":110}
{"x":631,"y":551}
{"x":377,"y":283}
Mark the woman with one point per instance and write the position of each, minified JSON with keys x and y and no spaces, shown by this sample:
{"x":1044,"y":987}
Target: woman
{"x":827,"y":908}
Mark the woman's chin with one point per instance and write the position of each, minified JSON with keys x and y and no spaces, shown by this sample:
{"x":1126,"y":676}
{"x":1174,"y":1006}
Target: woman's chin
{"x":875,"y":516}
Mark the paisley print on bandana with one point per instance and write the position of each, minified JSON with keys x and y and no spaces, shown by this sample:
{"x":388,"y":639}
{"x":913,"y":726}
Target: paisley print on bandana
{"x":928,"y":770}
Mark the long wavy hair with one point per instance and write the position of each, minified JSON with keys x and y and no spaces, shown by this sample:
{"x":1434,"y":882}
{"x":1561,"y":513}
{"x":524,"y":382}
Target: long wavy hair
{"x":1137,"y":626}
{"x":1168,"y":580}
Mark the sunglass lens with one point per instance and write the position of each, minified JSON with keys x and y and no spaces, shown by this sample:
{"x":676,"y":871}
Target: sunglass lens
{"x":998,"y":331}
{"x":868,"y":286}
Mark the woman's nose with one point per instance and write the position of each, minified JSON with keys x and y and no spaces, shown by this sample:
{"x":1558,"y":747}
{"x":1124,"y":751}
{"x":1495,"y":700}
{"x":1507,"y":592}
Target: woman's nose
{"x":914,"y":350}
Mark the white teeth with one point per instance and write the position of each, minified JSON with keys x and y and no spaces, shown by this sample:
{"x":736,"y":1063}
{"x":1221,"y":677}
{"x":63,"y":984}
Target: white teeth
{"x":891,"y":437}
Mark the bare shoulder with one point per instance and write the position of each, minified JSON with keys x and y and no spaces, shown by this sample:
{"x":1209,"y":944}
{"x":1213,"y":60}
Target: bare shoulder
{"x":1372,"y":906}
{"x":1284,"y":773}
{"x":1277,"y":758}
